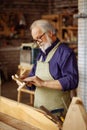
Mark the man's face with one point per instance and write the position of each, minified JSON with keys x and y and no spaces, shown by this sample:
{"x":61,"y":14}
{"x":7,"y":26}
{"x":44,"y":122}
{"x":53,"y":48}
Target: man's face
{"x":41,"y":38}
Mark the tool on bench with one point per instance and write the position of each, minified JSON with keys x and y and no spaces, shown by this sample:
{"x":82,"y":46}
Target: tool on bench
{"x":60,"y":115}
{"x":52,"y":117}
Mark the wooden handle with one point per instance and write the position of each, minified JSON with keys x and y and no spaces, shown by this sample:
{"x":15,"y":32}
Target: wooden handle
{"x":16,"y":78}
{"x":49,"y":115}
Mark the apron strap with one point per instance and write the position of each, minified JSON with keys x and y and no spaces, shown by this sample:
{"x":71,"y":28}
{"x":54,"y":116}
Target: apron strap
{"x":51,"y":53}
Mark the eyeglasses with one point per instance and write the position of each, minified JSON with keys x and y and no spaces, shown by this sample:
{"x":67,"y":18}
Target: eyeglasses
{"x":39,"y":39}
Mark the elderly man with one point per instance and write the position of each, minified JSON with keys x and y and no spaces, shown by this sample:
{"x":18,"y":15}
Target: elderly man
{"x":55,"y":72}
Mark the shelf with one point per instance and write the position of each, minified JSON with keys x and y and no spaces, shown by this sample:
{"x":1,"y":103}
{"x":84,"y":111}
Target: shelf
{"x":70,"y":28}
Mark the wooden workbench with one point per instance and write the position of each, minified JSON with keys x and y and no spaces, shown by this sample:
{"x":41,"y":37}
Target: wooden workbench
{"x":17,"y":116}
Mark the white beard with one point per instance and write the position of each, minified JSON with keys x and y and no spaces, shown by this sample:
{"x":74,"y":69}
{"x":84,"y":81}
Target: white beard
{"x":45,"y":45}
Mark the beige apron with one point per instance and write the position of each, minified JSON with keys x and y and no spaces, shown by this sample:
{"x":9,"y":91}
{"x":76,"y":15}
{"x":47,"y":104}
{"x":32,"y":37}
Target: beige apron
{"x":50,"y":98}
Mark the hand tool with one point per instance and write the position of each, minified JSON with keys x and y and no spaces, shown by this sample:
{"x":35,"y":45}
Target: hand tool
{"x":52,"y":117}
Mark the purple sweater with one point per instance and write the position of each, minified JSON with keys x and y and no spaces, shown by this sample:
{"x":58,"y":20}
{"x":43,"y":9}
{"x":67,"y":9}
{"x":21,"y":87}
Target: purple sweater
{"x":63,"y":66}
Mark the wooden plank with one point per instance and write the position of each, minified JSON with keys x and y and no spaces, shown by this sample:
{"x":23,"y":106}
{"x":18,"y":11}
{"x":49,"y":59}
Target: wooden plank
{"x":16,"y":124}
{"x":27,"y":114}
{"x":4,"y":126}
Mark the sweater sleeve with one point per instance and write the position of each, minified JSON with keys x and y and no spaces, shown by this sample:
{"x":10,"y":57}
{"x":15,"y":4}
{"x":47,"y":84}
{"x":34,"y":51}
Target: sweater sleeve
{"x":69,"y":70}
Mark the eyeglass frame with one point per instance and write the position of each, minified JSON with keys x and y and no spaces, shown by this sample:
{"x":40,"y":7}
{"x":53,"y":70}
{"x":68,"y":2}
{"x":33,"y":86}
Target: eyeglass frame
{"x":39,"y":38}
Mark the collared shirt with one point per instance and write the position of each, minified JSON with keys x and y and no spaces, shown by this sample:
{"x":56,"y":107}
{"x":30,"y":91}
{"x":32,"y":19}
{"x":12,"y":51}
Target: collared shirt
{"x":62,"y":66}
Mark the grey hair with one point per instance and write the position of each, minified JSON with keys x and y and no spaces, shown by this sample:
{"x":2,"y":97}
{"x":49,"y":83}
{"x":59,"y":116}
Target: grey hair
{"x":45,"y":25}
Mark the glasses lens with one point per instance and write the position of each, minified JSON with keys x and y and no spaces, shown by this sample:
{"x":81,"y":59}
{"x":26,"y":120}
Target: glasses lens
{"x":39,"y":39}
{"x":42,"y":35}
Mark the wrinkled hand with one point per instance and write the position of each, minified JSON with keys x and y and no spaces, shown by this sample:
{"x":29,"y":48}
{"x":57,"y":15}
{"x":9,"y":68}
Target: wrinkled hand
{"x":34,"y":80}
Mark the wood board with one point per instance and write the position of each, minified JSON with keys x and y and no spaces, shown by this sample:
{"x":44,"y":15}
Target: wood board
{"x":27,"y":114}
{"x":10,"y":123}
{"x":4,"y":126}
